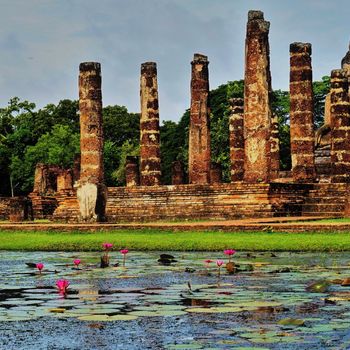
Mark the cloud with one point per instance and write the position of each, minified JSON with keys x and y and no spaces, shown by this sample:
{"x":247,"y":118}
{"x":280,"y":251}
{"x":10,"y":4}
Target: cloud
{"x":42,"y":43}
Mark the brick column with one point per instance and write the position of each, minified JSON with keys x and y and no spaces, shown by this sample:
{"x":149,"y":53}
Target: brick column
{"x":275,"y":148}
{"x":257,"y":99}
{"x":132,"y":175}
{"x":40,"y":179}
{"x":177,"y":173}
{"x":302,"y":133}
{"x":340,"y":126}
{"x":327,"y":110}
{"x":150,"y":172}
{"x":199,"y":133}
{"x":64,"y":180}
{"x":236,"y":139}
{"x":91,"y":191}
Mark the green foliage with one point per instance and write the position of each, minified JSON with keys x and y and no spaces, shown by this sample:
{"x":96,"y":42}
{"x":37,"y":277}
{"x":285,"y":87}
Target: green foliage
{"x":321,"y":89}
{"x":56,"y":147}
{"x":280,"y":105}
{"x":127,"y":149}
{"x":119,"y":125}
{"x":122,"y":133}
{"x":171,"y":137}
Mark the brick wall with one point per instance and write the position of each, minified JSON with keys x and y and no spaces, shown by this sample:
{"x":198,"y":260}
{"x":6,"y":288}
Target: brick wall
{"x":220,"y":201}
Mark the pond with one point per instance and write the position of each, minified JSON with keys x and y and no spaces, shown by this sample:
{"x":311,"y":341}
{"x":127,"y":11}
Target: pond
{"x":274,"y":301}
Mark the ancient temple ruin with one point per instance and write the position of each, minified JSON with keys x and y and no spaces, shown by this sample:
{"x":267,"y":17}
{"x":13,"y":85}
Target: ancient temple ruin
{"x":316,"y":184}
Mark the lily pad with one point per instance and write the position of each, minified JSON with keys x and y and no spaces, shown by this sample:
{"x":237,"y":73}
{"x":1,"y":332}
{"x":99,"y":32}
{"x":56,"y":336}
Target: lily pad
{"x":291,"y":322}
{"x":106,"y":318}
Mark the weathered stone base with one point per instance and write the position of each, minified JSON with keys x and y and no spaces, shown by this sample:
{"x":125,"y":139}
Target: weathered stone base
{"x":216,"y":201}
{"x":15,"y":208}
{"x":43,"y":206}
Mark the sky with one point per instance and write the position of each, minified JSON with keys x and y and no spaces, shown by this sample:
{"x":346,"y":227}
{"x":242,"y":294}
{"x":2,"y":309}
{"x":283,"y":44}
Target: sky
{"x":42,"y":43}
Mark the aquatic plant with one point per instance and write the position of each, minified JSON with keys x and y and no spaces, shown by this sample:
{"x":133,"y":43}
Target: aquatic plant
{"x":229,"y":252}
{"x":124,"y":252}
{"x":62,"y":286}
{"x":39,"y":266}
{"x":107,"y":246}
{"x":219,"y":263}
{"x":76,"y":262}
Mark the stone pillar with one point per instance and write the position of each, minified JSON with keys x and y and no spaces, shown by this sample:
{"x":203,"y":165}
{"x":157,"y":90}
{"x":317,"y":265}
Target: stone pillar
{"x":340,"y":126}
{"x":40,"y":179}
{"x":90,"y":190}
{"x":215,"y":173}
{"x":199,"y":133}
{"x":64,"y":180}
{"x":150,"y":173}
{"x":327,"y":110}
{"x":257,"y":100}
{"x":132,"y":175}
{"x":275,"y":148}
{"x":177,"y":173}
{"x":302,"y":133}
{"x":236,"y":139}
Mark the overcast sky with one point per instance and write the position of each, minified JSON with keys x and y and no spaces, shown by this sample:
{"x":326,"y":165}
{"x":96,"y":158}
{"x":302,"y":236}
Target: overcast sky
{"x":42,"y":43}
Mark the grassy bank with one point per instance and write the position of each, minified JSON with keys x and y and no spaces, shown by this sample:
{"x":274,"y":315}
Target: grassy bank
{"x":163,"y":240}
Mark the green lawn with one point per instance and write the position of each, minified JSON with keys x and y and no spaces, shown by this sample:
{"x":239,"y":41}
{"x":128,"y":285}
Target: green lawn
{"x":168,"y":240}
{"x":335,"y":220}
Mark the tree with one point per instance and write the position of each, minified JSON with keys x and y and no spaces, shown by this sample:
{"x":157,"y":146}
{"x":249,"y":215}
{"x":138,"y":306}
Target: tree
{"x":280,"y":104}
{"x":127,"y":149}
{"x":122,"y":134}
{"x":320,"y":89}
{"x":57,"y":147}
{"x":171,"y":141}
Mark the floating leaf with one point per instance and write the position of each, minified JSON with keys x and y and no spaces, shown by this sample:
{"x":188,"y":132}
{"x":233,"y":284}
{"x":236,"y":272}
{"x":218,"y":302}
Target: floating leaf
{"x":158,"y":313}
{"x":57,"y":310}
{"x":291,"y":322}
{"x":106,"y":318}
{"x":318,"y":286}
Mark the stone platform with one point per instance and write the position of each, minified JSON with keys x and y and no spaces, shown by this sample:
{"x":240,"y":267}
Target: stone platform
{"x":212,"y":202}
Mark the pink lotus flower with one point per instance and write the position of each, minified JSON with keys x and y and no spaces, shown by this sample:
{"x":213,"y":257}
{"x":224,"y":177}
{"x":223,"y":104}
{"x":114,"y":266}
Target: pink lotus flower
{"x":219,"y":263}
{"x":62,"y":286}
{"x":124,"y":252}
{"x":208,"y":261}
{"x":229,"y":252}
{"x":40,"y":266}
{"x":76,"y":262}
{"x":107,"y":246}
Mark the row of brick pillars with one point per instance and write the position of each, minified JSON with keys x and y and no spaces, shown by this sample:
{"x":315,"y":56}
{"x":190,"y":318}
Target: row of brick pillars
{"x":254,"y":144}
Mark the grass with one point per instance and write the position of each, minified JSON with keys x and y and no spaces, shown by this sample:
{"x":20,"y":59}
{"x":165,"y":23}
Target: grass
{"x":335,"y":220}
{"x":149,"y":239}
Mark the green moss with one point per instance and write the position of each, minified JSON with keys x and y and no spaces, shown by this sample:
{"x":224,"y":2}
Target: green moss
{"x":168,"y":240}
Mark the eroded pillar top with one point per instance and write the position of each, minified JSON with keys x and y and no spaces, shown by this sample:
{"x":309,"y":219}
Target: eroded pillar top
{"x":256,"y":21}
